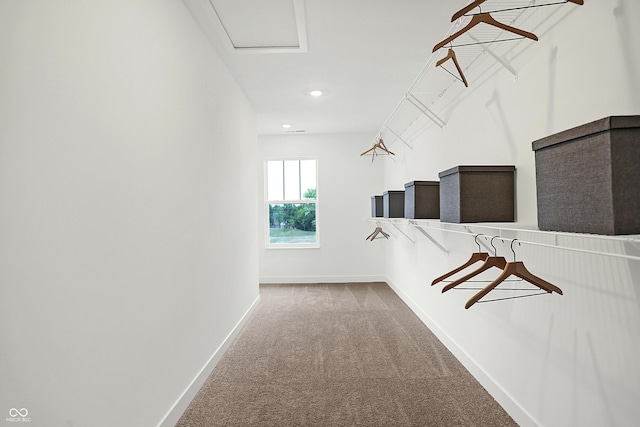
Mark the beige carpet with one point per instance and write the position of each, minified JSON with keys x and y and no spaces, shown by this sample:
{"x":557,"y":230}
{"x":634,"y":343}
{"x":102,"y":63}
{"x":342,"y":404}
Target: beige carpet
{"x":339,"y":355}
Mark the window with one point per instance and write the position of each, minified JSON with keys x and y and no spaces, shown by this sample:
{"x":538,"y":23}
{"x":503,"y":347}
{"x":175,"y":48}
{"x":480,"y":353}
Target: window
{"x":291,"y":203}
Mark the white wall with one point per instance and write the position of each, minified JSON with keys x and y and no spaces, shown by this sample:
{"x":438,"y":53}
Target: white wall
{"x":127,"y":213}
{"x":346,"y":182}
{"x":555,"y":360}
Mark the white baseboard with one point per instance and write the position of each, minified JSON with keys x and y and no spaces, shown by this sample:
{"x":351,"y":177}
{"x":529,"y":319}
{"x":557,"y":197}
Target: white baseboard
{"x":517,"y":412}
{"x":178,"y":408}
{"x":321,"y":279}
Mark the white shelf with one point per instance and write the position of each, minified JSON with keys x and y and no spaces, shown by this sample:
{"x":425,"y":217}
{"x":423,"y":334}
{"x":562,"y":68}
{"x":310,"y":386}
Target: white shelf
{"x":627,"y":246}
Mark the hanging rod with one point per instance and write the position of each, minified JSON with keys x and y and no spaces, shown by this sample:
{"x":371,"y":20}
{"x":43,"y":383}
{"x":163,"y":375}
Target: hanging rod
{"x":530,"y":6}
{"x":421,"y":224}
{"x":487,"y":42}
{"x":544,"y":232}
{"x":547,"y":245}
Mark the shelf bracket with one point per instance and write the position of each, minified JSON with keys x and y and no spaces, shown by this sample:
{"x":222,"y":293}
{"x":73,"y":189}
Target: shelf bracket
{"x":403,"y":233}
{"x":426,"y":111}
{"x":428,"y":236}
{"x":502,"y":62}
{"x":399,"y":137}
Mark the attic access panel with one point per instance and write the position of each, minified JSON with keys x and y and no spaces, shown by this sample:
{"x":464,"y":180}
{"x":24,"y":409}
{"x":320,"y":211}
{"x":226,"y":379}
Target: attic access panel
{"x":273,"y":26}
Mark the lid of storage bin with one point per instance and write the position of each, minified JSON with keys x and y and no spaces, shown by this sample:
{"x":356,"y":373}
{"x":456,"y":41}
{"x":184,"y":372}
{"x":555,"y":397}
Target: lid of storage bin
{"x":376,"y":197}
{"x":393,"y":192}
{"x":602,"y":125}
{"x":414,"y":183}
{"x":459,"y":169}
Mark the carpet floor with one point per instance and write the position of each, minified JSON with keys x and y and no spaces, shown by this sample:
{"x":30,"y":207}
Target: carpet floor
{"x":339,"y":355}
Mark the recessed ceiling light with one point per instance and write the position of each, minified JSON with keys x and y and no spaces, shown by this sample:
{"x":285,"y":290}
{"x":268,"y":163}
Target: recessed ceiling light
{"x":315,"y":93}
{"x":286,"y":125}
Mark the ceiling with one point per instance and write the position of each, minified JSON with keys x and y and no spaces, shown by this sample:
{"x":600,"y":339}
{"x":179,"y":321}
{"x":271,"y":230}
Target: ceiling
{"x":363,"y":54}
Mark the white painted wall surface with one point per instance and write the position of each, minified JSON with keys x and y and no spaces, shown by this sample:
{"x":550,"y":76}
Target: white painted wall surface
{"x":127,"y":209}
{"x":346,"y":182}
{"x":552,"y":361}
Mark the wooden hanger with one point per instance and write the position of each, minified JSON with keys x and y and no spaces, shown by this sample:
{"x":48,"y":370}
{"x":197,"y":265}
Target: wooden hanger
{"x":381,"y":146}
{"x":471,"y":6}
{"x":452,"y":55}
{"x":468,"y":8}
{"x":370,"y":149}
{"x":518,"y":269}
{"x":492,"y":261}
{"x":489,"y":262}
{"x":487,"y":19}
{"x":475,"y":257}
{"x":377,"y":231}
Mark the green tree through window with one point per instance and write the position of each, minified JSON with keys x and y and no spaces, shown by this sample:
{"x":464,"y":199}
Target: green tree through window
{"x":292,"y":202}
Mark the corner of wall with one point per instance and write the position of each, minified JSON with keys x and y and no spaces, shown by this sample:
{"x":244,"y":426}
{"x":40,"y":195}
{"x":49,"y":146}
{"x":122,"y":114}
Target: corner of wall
{"x":516,"y":411}
{"x":181,"y":405}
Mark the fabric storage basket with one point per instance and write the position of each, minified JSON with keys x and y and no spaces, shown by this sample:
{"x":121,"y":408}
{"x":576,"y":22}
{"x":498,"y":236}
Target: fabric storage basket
{"x":422,"y":200}
{"x":588,"y":178}
{"x":393,"y":204}
{"x":477,"y":194}
{"x":377,"y":210}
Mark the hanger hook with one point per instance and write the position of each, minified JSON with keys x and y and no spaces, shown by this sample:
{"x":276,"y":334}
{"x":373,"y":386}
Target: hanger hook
{"x":478,"y":243}
{"x":512,"y":250}
{"x":495,"y":251}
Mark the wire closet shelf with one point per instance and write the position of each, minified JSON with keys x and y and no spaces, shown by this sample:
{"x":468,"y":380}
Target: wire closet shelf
{"x":480,"y":51}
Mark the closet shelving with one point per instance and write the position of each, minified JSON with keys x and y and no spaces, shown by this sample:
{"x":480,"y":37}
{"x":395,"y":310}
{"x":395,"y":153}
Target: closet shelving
{"x":480,"y":53}
{"x":625,"y":247}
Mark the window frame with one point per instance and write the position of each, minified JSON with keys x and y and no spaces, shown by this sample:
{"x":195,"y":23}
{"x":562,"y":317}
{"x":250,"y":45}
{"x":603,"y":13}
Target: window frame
{"x":267,"y":202}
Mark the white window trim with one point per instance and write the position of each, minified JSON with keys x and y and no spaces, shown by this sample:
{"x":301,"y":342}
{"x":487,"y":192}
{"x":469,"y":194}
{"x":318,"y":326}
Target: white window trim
{"x":265,"y":223}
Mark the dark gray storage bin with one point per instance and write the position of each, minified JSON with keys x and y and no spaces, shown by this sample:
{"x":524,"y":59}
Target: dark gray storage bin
{"x":588,"y":178}
{"x":393,"y":204}
{"x":377,"y":210}
{"x":477,"y":194}
{"x":422,"y":200}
